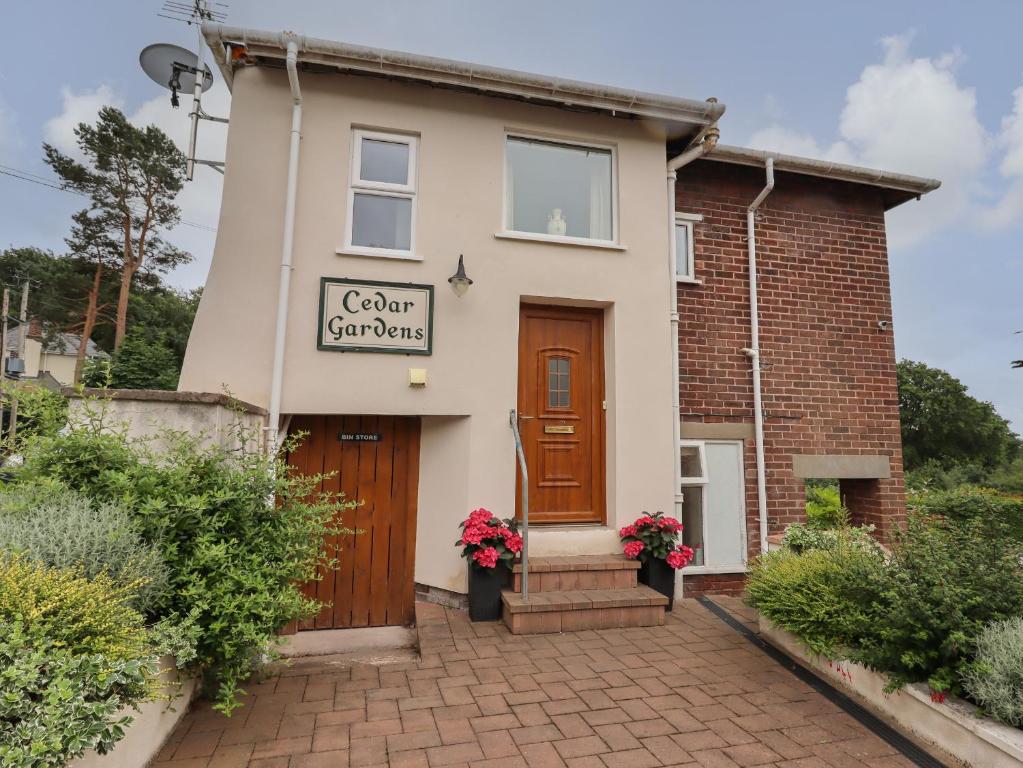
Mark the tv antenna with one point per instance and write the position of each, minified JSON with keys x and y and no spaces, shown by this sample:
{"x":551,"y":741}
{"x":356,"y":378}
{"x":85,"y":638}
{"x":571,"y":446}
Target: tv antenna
{"x":178,"y":69}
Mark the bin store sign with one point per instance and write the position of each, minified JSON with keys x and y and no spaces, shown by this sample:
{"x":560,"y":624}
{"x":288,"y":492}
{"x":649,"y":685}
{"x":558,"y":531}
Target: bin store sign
{"x":370,"y":316}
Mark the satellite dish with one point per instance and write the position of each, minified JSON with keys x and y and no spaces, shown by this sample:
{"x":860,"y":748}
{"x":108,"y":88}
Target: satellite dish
{"x":174,"y":68}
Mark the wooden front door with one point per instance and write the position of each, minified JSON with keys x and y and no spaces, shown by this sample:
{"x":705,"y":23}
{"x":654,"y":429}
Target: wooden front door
{"x":373,"y":585}
{"x":561,"y":409}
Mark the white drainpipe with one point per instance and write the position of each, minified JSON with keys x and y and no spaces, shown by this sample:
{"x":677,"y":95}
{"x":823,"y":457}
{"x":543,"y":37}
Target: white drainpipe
{"x":287,"y":247}
{"x":754,"y":352}
{"x":710,"y":140}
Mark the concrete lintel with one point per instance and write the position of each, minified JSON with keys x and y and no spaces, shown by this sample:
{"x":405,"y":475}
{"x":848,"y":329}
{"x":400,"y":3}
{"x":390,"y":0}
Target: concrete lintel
{"x":699,"y":430}
{"x":839,"y":467}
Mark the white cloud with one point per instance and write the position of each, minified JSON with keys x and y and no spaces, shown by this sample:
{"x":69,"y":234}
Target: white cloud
{"x":908,"y":115}
{"x":200,"y":199}
{"x":1008,"y":210}
{"x":77,"y":108}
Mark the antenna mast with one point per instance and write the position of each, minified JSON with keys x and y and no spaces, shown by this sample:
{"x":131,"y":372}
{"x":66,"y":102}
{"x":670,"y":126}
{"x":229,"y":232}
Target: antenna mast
{"x":196,"y":12}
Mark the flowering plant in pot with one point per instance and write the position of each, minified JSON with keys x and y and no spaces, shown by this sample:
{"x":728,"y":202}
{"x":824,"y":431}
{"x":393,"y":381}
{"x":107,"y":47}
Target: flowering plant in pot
{"x":491,"y":546}
{"x":653,"y":540}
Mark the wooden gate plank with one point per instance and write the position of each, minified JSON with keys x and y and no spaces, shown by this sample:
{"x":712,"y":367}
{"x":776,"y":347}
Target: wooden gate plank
{"x":399,"y":523}
{"x":408,"y":616}
{"x":383,"y":504}
{"x":349,"y":470}
{"x":364,"y":542}
{"x":330,"y":450}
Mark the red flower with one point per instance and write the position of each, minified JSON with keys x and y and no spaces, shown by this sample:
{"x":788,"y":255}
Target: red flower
{"x":511,"y":540}
{"x":627,"y":531}
{"x":487,"y":558}
{"x":633,"y":548}
{"x":479,"y":517}
{"x":474,"y":534}
{"x":645,"y":520}
{"x":680,"y":557}
{"x":670,"y":524}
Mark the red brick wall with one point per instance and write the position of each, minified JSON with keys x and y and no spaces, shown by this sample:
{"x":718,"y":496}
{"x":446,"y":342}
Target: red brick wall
{"x":829,"y":381}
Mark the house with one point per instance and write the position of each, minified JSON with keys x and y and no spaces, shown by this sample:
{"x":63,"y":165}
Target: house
{"x":411,"y":248}
{"x":50,"y":358}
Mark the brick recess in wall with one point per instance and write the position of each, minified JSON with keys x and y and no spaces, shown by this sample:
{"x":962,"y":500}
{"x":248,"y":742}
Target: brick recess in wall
{"x":829,"y":384}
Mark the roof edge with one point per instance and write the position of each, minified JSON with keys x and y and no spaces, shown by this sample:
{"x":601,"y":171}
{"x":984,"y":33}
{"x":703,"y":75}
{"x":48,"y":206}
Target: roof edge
{"x":916,"y":186}
{"x":483,"y":79}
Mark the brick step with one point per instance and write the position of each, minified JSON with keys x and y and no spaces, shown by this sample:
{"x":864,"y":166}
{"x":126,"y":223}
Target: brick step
{"x":570,"y":611}
{"x":573,"y":572}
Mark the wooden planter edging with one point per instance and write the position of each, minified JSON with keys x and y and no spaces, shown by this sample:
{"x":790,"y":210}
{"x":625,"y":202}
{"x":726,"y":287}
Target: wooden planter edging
{"x":154,"y":722}
{"x":955,"y":726}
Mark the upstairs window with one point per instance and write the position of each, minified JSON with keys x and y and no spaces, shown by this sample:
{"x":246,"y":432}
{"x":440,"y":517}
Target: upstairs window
{"x":382,"y":195}
{"x":561,"y":191}
{"x":685,"y":270}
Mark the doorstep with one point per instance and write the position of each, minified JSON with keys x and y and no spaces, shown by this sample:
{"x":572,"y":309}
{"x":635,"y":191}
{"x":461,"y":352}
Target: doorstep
{"x":327,"y":642}
{"x":572,"y":593}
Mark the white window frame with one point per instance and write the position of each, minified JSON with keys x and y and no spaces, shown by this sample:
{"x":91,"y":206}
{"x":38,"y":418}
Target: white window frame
{"x":515,"y":234}
{"x":703,"y":482}
{"x":687,"y":221}
{"x":362,"y":186}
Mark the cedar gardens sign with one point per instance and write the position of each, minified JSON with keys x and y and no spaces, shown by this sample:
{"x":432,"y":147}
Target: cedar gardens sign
{"x":371,"y":316}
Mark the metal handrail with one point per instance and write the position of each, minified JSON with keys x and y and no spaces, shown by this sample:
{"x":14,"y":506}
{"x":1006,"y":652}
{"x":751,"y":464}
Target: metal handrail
{"x":513,"y":418}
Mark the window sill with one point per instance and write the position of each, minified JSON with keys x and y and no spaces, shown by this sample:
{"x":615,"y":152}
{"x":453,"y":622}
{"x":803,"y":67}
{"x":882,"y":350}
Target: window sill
{"x":378,"y":253}
{"x":583,"y":242}
{"x":688,"y":281}
{"x":697,"y":570}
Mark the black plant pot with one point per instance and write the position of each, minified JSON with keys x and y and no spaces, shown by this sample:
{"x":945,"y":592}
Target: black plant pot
{"x":485,"y":585}
{"x":659,"y":576}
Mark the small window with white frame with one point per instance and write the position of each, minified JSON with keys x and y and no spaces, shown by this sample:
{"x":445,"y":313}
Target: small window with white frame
{"x":382,"y":195}
{"x":711,"y":504}
{"x":559,"y":190}
{"x":685,"y":260}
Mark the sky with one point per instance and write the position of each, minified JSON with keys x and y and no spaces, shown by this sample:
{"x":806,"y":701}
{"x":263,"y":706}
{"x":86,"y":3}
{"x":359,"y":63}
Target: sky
{"x":932,"y":89}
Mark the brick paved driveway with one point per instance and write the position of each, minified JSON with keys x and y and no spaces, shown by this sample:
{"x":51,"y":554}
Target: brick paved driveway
{"x":691,"y":693}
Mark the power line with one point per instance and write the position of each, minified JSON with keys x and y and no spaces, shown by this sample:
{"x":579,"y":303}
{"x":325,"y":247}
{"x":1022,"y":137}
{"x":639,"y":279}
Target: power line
{"x":20,"y":175}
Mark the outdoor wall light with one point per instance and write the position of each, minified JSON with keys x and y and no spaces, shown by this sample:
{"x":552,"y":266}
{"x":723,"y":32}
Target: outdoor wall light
{"x":460,"y":281}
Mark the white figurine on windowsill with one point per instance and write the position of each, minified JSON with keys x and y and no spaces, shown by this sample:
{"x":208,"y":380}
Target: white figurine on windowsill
{"x":556,"y":224}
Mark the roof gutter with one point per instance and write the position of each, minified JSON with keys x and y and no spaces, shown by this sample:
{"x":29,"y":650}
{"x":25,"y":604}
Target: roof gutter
{"x":914,"y":185}
{"x":484,"y":79}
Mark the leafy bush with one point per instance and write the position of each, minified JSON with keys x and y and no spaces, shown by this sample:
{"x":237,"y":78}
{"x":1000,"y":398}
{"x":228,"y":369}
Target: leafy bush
{"x":64,"y":529}
{"x":995,"y":679}
{"x":944,"y":583}
{"x":824,"y":507}
{"x":81,"y":615}
{"x":800,"y":537}
{"x":826,"y":597}
{"x":235,"y":561}
{"x":55,"y":703}
{"x":72,"y":653}
{"x":972,"y":503}
{"x":40,"y":410}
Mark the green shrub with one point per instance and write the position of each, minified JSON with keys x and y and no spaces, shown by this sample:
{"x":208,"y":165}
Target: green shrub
{"x":945,"y":582}
{"x":40,"y":411}
{"x":972,"y":503}
{"x":66,"y":529}
{"x":236,"y":562}
{"x":56,"y":703}
{"x":825,"y":597}
{"x":800,"y":537}
{"x":824,"y":507}
{"x":85,"y":616}
{"x":995,"y":679}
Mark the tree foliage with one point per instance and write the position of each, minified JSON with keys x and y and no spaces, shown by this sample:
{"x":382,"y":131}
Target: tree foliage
{"x":132,"y":176}
{"x":942,"y":423}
